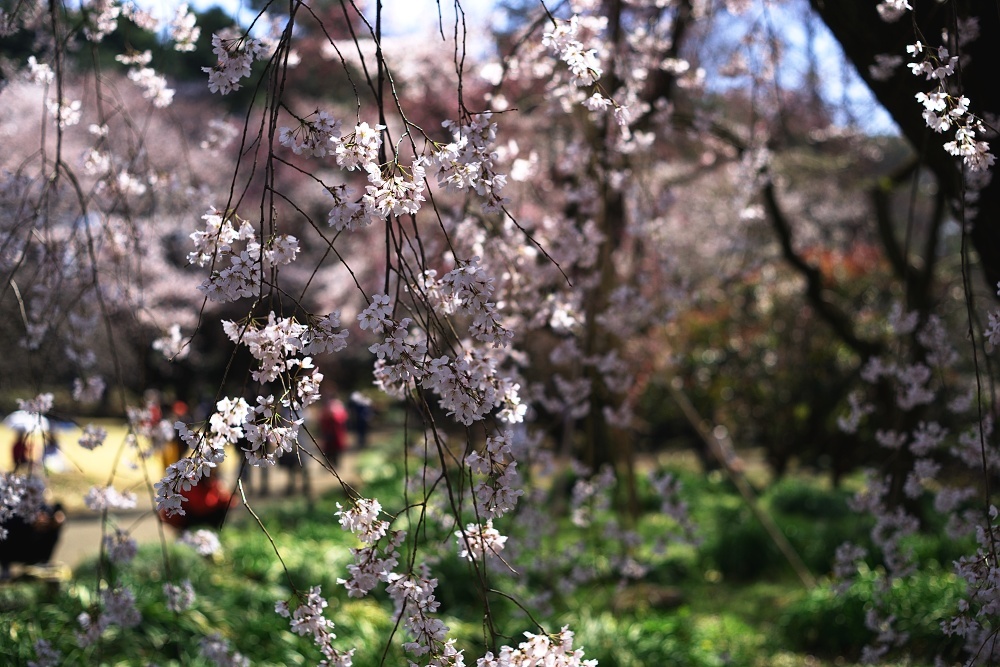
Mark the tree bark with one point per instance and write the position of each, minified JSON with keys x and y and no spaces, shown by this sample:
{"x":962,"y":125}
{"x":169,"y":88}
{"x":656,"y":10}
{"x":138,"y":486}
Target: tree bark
{"x":863,"y":35}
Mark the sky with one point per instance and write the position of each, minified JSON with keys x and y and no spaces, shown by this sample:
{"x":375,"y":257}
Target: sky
{"x":399,"y":16}
{"x":837,"y":86}
{"x":402,"y":17}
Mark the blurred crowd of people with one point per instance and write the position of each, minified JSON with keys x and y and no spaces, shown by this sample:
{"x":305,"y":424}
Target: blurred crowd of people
{"x":327,"y":426}
{"x":36,"y":451}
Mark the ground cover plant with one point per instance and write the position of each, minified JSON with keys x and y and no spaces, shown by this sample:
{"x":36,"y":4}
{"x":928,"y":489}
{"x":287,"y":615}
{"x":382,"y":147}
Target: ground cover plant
{"x":690,"y":608}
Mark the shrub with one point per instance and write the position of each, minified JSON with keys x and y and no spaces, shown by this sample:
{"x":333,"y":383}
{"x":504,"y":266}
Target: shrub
{"x":814,"y":520}
{"x":801,"y":497}
{"x":675,"y":640}
{"x":739,"y":547}
{"x":832,"y":622}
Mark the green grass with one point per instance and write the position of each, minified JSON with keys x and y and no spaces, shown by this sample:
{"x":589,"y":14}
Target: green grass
{"x":738,"y":602}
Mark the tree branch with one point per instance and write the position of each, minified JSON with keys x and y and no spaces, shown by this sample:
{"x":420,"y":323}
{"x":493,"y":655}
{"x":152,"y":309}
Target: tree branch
{"x":815,"y":292}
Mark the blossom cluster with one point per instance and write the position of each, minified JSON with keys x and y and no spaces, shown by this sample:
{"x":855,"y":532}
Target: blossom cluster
{"x":412,"y":592}
{"x":103,"y":499}
{"x":117,"y":608}
{"x":356,"y":151}
{"x":398,"y":192}
{"x":272,"y":427}
{"x":146,"y":427}
{"x":247,"y":268}
{"x":225,"y":427}
{"x":244,"y":259}
{"x":992,"y":331}
{"x":394,"y":194}
{"x":977,"y":615}
{"x":308,"y":619}
{"x":942,"y":110}
{"x":373,"y":562}
{"x":590,"y":494}
{"x":893,"y":10}
{"x":153,"y":84}
{"x":184,"y":30}
{"x":179,"y":597}
{"x":395,"y":189}
{"x":583,"y":63}
{"x":359,"y":149}
{"x":103,"y":19}
{"x":498,"y":493}
{"x":216,"y":650}
{"x":173,"y":346}
{"x":477,"y":542}
{"x":468,"y":162}
{"x":469,"y":289}
{"x":38,"y":406}
{"x":277,"y":343}
{"x":236,"y":53}
{"x":313,"y":136}
{"x":217,"y":237}
{"x":585,"y":68}
{"x":363,"y":520}
{"x":925,"y":445}
{"x":89,"y":390}
{"x":20,"y":496}
{"x":556,"y":651}
{"x":415,"y":601}
{"x":469,"y":387}
{"x":668,"y":487}
{"x":46,"y":655}
{"x":205,"y":542}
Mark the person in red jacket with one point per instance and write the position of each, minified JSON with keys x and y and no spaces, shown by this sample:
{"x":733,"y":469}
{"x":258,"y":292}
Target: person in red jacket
{"x":21,"y":452}
{"x":333,"y":429}
{"x":207,"y":505}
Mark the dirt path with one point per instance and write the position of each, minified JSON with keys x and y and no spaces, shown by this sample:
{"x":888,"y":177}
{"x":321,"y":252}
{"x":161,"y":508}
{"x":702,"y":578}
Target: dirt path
{"x":82,"y":532}
{"x":79,"y":469}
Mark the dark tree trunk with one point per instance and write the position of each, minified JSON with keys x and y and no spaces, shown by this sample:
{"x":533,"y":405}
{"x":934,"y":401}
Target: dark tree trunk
{"x":863,"y":35}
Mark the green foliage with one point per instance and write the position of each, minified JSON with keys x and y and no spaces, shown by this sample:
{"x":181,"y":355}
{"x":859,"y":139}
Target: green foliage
{"x":832,"y":622}
{"x":739,"y":547}
{"x":814,"y":519}
{"x":742,"y":366}
{"x":236,"y":598}
{"x":676,"y":640}
{"x":807,"y":498}
{"x":713,"y":618}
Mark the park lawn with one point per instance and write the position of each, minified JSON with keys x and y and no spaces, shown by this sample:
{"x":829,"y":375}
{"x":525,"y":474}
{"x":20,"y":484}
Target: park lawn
{"x":111,"y":463}
{"x":115,"y":463}
{"x":96,"y":464}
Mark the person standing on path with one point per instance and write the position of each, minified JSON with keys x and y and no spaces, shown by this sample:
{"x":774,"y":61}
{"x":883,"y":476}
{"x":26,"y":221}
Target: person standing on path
{"x":361,"y":413}
{"x":21,"y":451}
{"x":333,"y":428}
